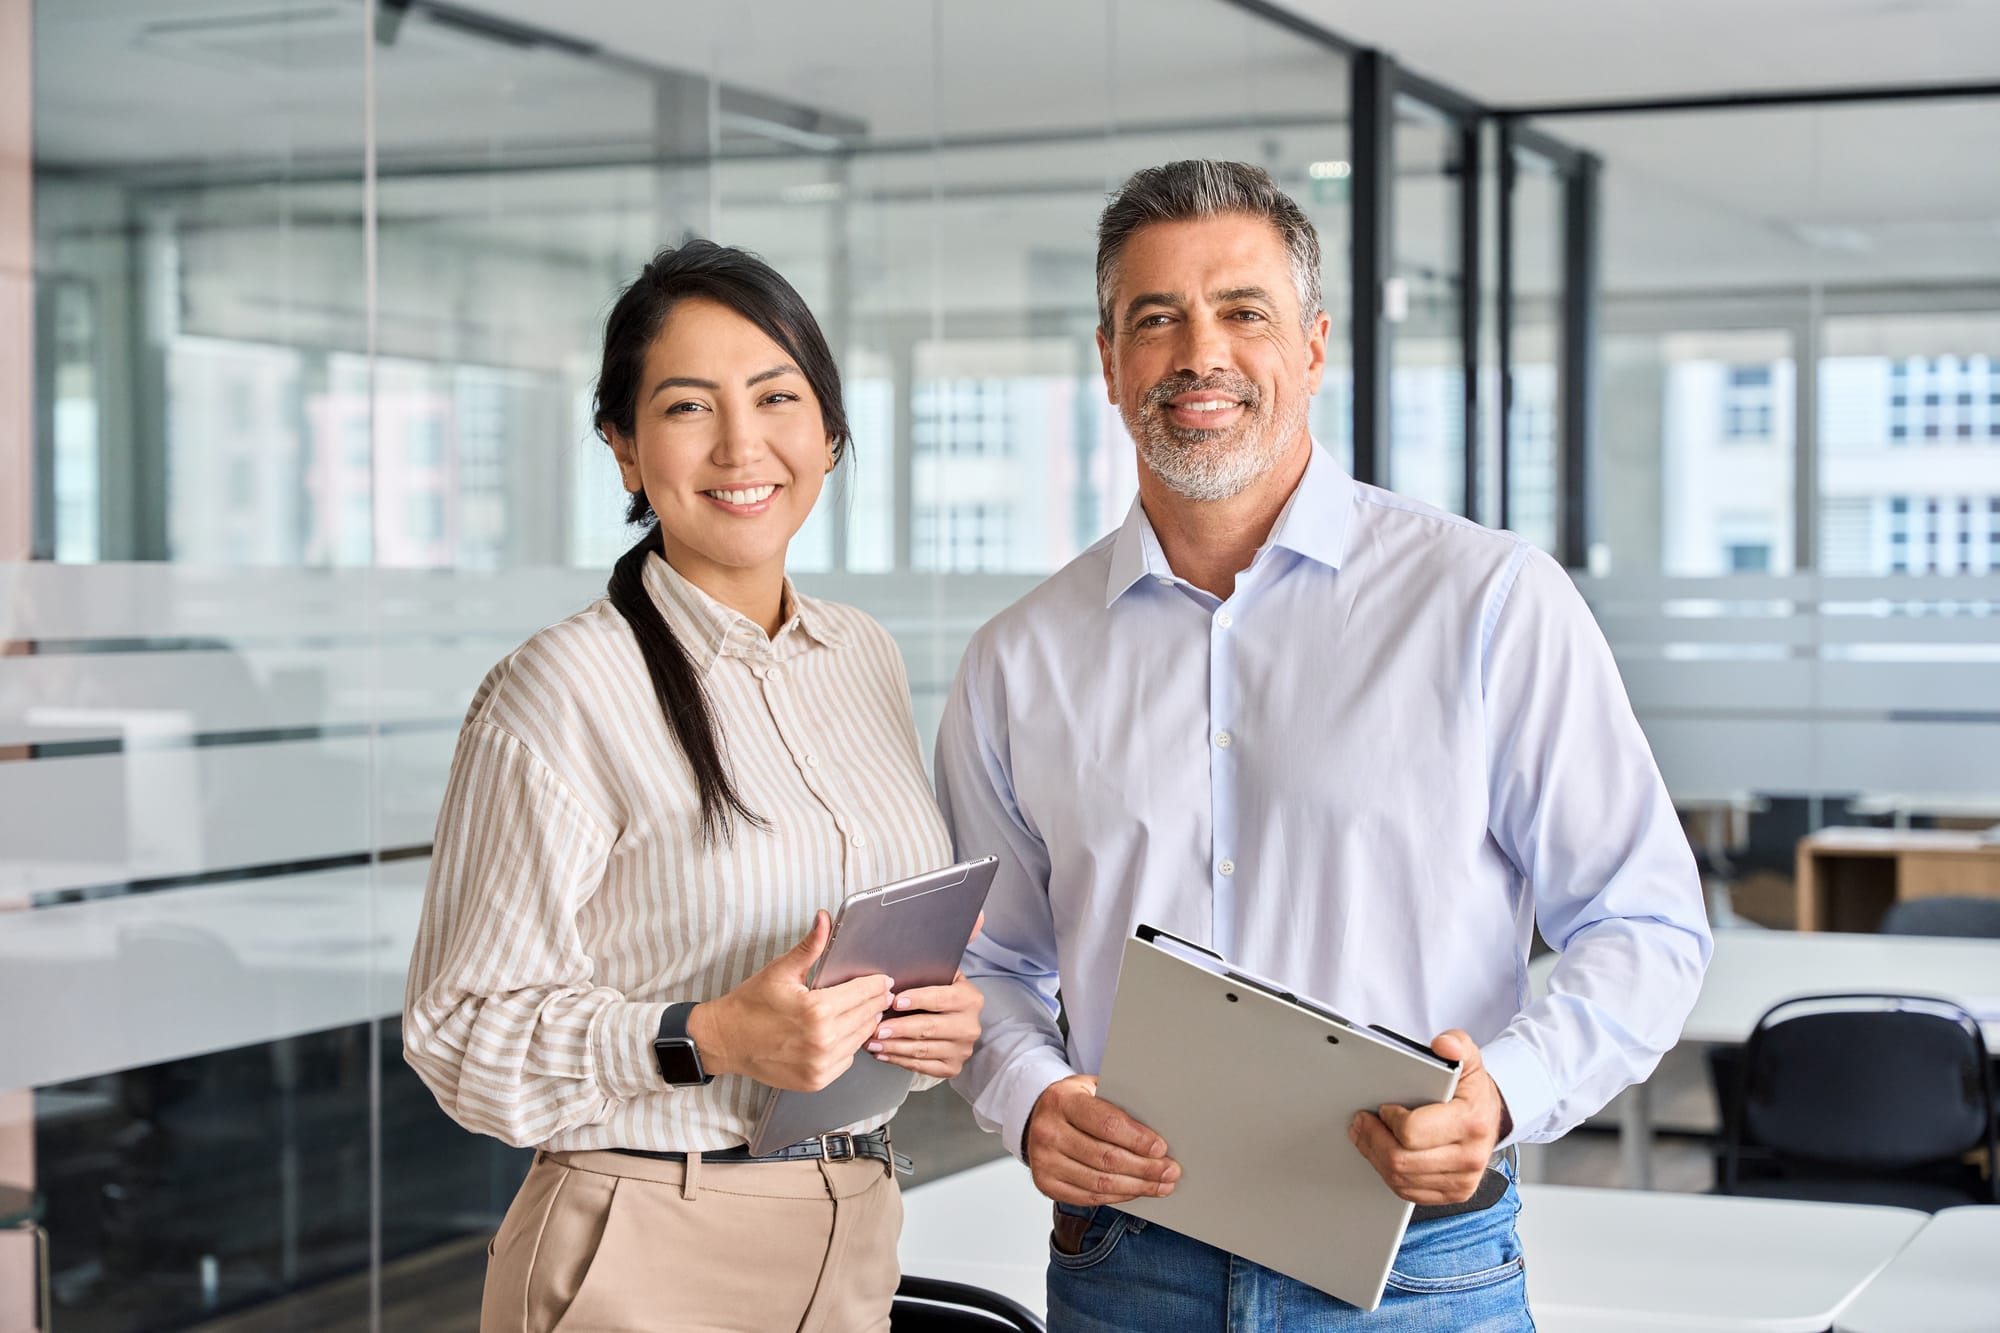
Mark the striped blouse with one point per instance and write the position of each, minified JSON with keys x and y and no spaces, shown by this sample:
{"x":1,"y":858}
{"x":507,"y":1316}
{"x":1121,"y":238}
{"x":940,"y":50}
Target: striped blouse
{"x":571,"y":898}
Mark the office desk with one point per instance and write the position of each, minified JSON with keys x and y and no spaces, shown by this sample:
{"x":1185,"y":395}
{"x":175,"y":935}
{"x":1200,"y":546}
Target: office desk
{"x":1597,"y":1259}
{"x":1605,"y":1260}
{"x":1900,"y":805}
{"x":1754,"y":969}
{"x":1944,"y":1281}
{"x":1847,"y":877}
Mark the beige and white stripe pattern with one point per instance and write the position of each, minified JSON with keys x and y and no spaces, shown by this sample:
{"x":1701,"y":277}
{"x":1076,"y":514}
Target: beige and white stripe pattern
{"x":571,"y":897}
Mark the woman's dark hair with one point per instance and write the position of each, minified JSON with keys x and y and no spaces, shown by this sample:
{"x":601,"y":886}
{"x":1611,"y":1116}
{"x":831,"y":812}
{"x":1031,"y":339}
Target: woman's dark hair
{"x":753,"y":289}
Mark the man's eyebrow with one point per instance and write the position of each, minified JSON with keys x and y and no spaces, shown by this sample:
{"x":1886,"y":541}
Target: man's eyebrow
{"x":1243,"y":294}
{"x":1171,"y":300}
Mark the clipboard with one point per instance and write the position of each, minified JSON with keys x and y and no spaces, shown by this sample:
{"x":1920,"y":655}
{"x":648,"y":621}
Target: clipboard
{"x":1252,"y":1088}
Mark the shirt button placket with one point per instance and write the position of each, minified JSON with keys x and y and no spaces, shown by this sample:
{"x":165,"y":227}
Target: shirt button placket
{"x":1223,"y":752}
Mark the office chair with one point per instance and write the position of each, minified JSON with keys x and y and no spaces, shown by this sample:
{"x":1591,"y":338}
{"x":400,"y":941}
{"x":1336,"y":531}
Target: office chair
{"x":927,"y":1305}
{"x":1966,"y":918}
{"x":1863,"y":1099}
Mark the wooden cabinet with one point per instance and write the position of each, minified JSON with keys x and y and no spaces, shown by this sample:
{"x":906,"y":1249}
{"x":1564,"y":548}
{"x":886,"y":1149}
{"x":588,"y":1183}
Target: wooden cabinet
{"x":1847,"y":877}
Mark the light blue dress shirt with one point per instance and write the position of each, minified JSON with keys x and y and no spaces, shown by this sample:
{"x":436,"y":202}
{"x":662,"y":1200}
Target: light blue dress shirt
{"x":1399,"y":743}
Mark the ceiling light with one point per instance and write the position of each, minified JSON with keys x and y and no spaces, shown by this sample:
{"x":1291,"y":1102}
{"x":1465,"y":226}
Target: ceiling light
{"x":1329,"y":171}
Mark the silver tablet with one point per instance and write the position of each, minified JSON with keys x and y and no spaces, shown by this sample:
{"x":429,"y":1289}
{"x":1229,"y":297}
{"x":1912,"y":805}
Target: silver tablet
{"x":914,"y":930}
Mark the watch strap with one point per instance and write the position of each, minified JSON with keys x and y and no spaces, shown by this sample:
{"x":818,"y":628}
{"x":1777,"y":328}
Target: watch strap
{"x":680,"y":1063}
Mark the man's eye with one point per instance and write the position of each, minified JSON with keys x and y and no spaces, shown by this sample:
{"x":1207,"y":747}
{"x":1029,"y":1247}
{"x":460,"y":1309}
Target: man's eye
{"x":1248,"y":314}
{"x":1151,"y":321}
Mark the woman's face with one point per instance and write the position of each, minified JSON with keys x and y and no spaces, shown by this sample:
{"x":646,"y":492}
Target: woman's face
{"x":727,"y":443}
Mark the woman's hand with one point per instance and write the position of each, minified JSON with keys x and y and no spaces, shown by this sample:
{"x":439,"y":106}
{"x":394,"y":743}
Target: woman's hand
{"x":784,"y":1035}
{"x":932,"y":1030}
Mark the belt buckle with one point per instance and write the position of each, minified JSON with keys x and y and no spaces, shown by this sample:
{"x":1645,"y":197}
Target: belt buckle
{"x":845,"y":1140}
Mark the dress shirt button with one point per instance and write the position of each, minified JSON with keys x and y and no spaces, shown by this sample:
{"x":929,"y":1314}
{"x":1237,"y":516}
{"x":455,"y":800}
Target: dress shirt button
{"x":775,"y":674}
{"x":1227,"y":867}
{"x":858,"y":840}
{"x":1166,"y":583}
{"x":1223,"y":740}
{"x":1224,"y":620}
{"x":812,"y":761}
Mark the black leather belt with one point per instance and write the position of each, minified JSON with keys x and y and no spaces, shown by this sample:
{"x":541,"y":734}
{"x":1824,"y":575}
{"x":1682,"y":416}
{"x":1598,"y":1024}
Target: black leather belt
{"x":873,"y":1146}
{"x":1491,"y":1187}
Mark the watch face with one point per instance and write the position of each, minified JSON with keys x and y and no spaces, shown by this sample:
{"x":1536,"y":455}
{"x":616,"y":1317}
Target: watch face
{"x":678,"y":1062}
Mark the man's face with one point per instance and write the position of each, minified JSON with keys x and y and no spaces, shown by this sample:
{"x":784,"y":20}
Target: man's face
{"x":1206,"y":357}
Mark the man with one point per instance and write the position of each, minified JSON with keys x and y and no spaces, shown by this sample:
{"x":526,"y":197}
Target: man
{"x":1346,"y":740}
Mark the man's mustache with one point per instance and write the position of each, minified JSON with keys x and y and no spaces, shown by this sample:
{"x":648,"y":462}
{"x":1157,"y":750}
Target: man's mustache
{"x":1174,"y":386}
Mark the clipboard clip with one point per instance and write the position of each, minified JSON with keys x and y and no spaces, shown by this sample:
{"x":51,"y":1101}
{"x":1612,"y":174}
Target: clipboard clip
{"x":1147,"y":934}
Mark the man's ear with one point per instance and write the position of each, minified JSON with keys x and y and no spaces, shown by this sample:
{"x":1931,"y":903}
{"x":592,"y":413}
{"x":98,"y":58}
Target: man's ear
{"x":1316,"y":350}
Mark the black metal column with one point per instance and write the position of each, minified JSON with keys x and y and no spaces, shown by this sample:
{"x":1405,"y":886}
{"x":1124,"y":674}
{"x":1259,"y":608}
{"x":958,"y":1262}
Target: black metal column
{"x":1503,"y":296}
{"x":1471,"y":183}
{"x":1579,"y":374}
{"x":1372,"y":202}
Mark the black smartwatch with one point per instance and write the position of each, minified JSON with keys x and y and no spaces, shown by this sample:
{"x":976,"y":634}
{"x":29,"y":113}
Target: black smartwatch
{"x":680,"y":1062}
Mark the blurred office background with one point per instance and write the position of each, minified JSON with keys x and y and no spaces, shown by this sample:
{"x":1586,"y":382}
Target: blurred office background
{"x":299,"y":312}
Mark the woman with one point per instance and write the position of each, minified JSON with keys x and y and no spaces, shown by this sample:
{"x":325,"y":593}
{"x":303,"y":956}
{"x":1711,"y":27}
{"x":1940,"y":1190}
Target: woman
{"x":649,"y":801}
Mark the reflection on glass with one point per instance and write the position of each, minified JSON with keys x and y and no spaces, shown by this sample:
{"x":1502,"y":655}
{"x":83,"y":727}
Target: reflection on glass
{"x":1427,"y":363}
{"x":347,"y":533}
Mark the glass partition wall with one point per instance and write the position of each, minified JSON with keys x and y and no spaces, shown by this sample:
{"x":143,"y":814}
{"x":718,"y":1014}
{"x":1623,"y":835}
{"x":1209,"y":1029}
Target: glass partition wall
{"x":1799,"y":466}
{"x":311,"y":451}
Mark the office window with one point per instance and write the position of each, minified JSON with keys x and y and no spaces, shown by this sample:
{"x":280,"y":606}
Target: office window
{"x":1748,"y":557}
{"x":1747,"y":403}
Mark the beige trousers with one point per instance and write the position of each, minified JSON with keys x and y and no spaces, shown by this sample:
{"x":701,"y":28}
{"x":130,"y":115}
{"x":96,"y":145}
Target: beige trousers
{"x":600,"y":1242}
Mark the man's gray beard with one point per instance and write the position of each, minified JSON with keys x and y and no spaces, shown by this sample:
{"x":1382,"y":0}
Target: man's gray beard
{"x":1207,"y":464}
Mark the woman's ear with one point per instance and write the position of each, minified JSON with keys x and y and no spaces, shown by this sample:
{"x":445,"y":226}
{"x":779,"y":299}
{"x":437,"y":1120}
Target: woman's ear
{"x":627,"y":454}
{"x":832,"y":458}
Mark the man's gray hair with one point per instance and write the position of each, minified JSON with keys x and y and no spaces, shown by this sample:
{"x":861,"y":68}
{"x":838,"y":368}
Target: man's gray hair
{"x":1202,"y":188}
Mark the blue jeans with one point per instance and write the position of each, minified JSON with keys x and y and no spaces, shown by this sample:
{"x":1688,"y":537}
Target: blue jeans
{"x":1459,"y":1274}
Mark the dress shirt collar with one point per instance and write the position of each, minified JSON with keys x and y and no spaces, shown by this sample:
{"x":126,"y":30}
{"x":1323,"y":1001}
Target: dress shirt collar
{"x":708,"y":630}
{"x":1313,"y":524}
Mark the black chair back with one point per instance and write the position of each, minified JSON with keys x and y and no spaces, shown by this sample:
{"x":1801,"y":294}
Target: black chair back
{"x":1875,"y":1083}
{"x":1965,"y":918}
{"x":928,"y":1305}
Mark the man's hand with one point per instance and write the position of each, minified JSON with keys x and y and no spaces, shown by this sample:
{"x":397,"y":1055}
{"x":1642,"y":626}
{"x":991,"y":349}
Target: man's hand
{"x":1437,"y":1154}
{"x":1086,"y":1151}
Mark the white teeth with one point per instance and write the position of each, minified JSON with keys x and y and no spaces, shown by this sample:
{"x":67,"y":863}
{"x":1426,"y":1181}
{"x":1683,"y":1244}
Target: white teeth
{"x":754,"y":495}
{"x":1210,"y":406}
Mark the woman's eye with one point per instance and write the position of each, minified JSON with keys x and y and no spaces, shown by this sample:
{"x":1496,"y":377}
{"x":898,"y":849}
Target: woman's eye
{"x":684,"y":408}
{"x":783,"y":396}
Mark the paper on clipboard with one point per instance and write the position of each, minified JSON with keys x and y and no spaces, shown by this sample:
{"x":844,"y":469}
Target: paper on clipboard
{"x":1252,"y":1088}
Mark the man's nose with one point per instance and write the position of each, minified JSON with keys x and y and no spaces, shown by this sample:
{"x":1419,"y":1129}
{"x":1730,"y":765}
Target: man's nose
{"x":1204,"y":346}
